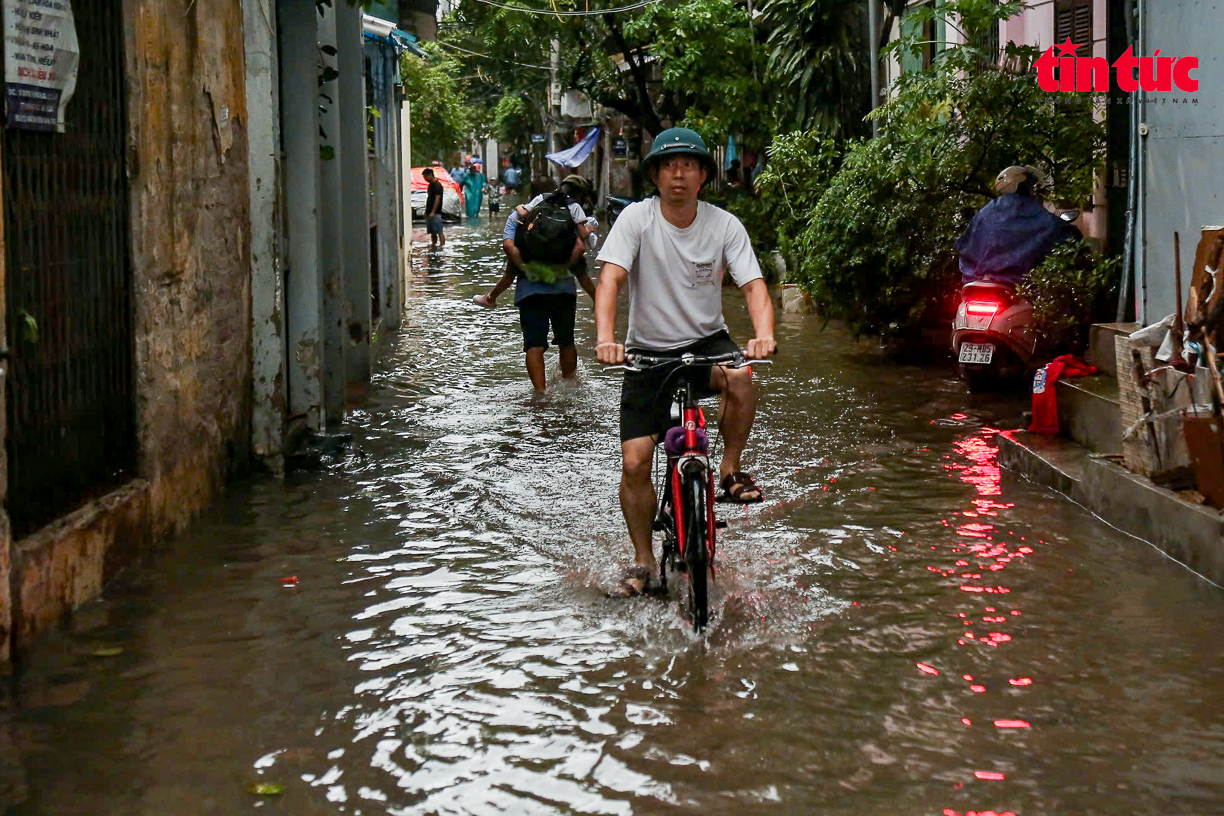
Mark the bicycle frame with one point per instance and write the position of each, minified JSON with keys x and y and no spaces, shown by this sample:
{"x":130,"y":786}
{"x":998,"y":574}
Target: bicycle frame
{"x":692,"y":459}
{"x":680,"y":507}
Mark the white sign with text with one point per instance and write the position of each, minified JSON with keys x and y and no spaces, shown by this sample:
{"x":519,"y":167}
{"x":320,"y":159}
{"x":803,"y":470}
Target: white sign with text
{"x":41,"y":56}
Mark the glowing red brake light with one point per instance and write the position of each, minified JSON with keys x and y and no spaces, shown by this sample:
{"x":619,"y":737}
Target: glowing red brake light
{"x":981,"y":309}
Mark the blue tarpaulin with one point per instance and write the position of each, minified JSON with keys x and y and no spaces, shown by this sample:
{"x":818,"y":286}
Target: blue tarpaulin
{"x":576,"y":155}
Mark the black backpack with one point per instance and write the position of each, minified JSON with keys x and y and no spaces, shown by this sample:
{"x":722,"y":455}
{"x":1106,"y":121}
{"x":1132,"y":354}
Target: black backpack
{"x":549,"y":233}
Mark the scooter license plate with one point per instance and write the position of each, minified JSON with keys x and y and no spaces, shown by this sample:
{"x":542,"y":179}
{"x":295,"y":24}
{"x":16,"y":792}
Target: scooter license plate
{"x":980,"y":353}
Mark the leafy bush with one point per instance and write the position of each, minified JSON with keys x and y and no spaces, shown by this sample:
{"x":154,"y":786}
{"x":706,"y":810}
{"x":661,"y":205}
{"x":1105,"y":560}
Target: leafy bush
{"x":876,"y":247}
{"x":1069,"y":291}
{"x":800,"y":167}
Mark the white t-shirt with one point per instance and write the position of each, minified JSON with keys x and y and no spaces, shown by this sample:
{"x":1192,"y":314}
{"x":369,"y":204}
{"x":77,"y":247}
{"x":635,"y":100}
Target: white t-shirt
{"x":676,"y":275}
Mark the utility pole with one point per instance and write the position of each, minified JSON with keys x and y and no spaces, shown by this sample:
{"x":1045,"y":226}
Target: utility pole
{"x":554,"y":105}
{"x":873,"y":25}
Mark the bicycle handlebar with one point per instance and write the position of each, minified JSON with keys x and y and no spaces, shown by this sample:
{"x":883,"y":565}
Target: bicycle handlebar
{"x":642,"y":362}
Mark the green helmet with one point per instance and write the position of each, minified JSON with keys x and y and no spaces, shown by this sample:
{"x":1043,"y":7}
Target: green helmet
{"x":679,"y":141}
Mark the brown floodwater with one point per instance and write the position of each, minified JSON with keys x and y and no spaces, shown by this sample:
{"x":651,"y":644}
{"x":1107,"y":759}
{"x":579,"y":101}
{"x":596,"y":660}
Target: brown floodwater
{"x":900,"y":629}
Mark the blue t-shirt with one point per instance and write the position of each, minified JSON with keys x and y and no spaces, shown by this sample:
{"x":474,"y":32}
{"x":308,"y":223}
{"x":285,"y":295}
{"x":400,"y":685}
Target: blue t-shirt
{"x":524,"y":288}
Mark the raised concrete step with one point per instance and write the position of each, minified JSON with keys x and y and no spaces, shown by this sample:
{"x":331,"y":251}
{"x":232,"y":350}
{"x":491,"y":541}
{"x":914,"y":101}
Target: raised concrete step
{"x":1101,"y":345}
{"x":1043,"y":460}
{"x":1189,"y":533}
{"x":1089,"y":412}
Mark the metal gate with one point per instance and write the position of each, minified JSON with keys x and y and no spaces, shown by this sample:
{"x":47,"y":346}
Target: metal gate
{"x":71,"y":409}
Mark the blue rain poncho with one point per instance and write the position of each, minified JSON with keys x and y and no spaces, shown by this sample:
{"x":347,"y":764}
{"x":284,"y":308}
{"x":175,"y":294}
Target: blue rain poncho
{"x":1008,"y":238}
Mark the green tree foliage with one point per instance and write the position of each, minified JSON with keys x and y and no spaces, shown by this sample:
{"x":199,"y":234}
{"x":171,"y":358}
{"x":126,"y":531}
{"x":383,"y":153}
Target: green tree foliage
{"x":877,"y":247}
{"x":441,"y":118}
{"x":706,"y":53}
{"x":1069,"y":291}
{"x":702,"y":50}
{"x":800,"y":167}
{"x":818,"y":60}
{"x":512,"y":119}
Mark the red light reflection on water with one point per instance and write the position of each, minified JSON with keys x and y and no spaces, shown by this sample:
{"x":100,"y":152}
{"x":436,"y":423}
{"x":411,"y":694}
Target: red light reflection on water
{"x":982,"y":545}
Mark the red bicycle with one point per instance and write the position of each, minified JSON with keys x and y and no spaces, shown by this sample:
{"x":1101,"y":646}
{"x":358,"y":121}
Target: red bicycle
{"x":685,"y":510}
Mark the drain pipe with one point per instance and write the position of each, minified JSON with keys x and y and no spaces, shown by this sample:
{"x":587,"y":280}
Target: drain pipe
{"x":1141,"y":196}
{"x":1132,"y":182}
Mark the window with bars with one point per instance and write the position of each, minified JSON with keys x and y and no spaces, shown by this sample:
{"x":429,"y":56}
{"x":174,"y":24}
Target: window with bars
{"x":1073,"y":19}
{"x":932,"y":35}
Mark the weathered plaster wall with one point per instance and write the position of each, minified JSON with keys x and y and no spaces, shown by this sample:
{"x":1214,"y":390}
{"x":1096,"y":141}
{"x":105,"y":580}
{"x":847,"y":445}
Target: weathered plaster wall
{"x":190,"y":217}
{"x":67,"y":563}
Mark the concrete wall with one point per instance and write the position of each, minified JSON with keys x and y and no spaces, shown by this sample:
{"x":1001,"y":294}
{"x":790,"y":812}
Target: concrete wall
{"x":190,"y":205}
{"x":267,"y":291}
{"x":191,"y":270}
{"x":1182,"y":153}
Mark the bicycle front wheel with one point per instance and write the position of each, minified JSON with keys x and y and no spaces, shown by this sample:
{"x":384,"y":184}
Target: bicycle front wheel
{"x":695,"y":553}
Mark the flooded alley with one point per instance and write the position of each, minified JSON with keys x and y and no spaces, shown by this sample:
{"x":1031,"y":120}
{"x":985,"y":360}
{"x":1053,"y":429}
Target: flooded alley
{"x":420,"y":625}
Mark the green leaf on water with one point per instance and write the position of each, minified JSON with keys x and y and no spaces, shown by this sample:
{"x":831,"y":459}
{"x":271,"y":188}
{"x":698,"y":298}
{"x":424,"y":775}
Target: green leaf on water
{"x":266,"y":789}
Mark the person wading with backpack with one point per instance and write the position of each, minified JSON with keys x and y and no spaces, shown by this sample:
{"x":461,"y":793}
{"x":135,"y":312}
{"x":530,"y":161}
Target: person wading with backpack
{"x":544,"y":241}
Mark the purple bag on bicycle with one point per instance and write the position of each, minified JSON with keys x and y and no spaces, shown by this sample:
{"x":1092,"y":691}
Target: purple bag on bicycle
{"x":673,"y":443}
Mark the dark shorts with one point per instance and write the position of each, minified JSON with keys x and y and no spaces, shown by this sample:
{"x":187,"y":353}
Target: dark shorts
{"x":646,"y":398}
{"x":536,"y":312}
{"x":433,"y":225}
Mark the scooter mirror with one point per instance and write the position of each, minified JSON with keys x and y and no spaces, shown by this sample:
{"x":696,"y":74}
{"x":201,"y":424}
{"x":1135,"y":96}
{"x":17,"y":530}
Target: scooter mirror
{"x":1070,"y":216}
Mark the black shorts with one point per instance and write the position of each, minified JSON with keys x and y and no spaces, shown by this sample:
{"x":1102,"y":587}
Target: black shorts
{"x":536,"y":312}
{"x":646,"y":397}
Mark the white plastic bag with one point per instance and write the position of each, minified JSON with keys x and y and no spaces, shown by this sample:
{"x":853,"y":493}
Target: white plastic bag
{"x":1153,"y":334}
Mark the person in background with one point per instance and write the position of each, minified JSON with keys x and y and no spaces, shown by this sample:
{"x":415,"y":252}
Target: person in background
{"x":512,"y":177}
{"x":543,"y":303}
{"x":493,"y":194}
{"x":433,"y":209}
{"x":473,"y":189}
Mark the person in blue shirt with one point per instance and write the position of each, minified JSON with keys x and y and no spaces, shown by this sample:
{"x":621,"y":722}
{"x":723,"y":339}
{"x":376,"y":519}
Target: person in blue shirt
{"x":512,"y":177}
{"x":541,"y":303}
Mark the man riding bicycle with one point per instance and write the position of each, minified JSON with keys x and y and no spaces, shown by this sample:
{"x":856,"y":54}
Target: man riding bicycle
{"x":673,"y":251}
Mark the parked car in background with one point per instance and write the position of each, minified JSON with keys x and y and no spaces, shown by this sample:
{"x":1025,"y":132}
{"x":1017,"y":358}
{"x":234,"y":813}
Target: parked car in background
{"x":452,"y":196}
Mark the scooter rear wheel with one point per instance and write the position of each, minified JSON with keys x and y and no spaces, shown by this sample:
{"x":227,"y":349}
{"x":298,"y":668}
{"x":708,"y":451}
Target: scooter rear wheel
{"x":979,"y":380}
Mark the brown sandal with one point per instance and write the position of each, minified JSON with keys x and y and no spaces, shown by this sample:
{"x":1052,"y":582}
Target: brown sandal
{"x":735,"y":484}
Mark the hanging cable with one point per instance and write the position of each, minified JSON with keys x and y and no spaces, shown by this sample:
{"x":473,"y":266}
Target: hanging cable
{"x":490,"y":56}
